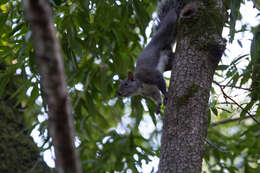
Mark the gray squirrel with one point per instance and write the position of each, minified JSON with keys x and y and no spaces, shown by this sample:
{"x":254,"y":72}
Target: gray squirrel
{"x":148,"y":78}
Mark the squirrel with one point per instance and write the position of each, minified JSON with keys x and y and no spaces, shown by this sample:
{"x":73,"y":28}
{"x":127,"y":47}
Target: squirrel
{"x":155,"y":58}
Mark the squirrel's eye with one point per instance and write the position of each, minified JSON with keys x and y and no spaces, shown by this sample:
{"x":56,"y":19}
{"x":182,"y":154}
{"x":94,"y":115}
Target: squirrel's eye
{"x":126,"y":84}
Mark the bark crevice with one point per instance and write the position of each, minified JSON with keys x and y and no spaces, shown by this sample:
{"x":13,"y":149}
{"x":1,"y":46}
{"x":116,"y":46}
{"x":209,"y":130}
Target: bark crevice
{"x":186,"y":114}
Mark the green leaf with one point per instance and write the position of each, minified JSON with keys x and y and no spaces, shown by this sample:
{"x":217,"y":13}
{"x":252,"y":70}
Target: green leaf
{"x":234,"y":16}
{"x":214,"y":110}
{"x":222,"y":67}
{"x":142,"y":16}
{"x":236,"y":60}
{"x":3,"y":1}
{"x":239,"y":43}
{"x":245,"y":78}
{"x":3,"y":83}
{"x":231,"y":72}
{"x":235,"y":79}
{"x":3,"y":19}
{"x":137,"y":110}
{"x":34,"y":94}
{"x":247,"y":109}
{"x":151,"y":108}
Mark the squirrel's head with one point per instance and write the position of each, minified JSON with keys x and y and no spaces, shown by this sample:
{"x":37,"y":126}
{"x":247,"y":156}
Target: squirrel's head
{"x":129,"y":86}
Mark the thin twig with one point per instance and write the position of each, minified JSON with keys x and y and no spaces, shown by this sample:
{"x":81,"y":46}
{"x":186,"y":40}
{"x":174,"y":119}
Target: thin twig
{"x":231,"y":86}
{"x":229,"y":120}
{"x":227,"y":103}
{"x":226,"y":96}
{"x":256,"y":6}
{"x":215,"y":146}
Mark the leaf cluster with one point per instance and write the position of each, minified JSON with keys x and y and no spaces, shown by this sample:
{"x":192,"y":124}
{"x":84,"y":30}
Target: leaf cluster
{"x":100,"y":41}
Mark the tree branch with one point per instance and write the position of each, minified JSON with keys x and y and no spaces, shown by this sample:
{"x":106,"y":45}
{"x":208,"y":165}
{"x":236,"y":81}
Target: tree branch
{"x":229,"y":120}
{"x":50,"y":65}
{"x":255,"y":5}
{"x":185,"y":122}
{"x":226,"y":96}
{"x":215,"y":146}
{"x":231,"y":86}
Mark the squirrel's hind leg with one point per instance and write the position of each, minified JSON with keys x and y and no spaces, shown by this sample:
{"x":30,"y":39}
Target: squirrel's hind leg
{"x":153,"y":77}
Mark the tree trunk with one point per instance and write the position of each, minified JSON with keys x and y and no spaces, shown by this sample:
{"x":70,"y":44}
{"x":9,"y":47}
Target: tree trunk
{"x":18,"y":151}
{"x":51,"y":69}
{"x":198,"y":52}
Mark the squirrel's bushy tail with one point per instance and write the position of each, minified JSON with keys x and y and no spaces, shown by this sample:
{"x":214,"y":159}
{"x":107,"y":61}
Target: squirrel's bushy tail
{"x":165,"y":6}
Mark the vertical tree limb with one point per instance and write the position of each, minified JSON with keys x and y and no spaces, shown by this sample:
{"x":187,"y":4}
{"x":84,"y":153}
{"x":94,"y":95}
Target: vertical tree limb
{"x":50,"y":65}
{"x":198,"y":52}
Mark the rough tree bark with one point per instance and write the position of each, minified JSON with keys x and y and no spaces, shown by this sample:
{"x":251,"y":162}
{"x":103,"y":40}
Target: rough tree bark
{"x":18,"y":151}
{"x":52,"y":75}
{"x":199,"y":49}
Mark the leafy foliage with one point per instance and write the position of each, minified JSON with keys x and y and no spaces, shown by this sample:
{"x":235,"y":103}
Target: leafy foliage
{"x":232,"y":144}
{"x":234,"y":16}
{"x":100,"y":41}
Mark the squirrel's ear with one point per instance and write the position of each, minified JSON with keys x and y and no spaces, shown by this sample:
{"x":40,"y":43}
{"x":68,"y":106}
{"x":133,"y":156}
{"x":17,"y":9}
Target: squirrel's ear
{"x":130,"y":76}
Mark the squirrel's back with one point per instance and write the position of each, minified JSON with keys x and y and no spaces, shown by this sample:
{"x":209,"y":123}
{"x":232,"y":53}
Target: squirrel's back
{"x":148,"y":78}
